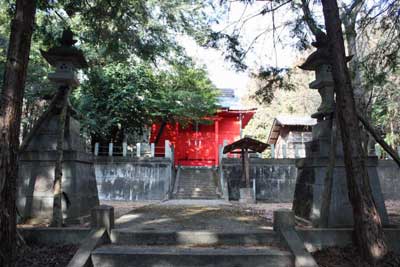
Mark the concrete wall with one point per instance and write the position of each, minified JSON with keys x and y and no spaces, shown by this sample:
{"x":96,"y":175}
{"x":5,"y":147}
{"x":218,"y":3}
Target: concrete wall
{"x":125,"y":178}
{"x":276,"y":178}
{"x":389,"y":176}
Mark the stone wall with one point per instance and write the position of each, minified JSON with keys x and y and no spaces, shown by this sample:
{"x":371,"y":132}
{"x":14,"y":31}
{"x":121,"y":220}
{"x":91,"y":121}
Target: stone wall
{"x":125,"y":178}
{"x":389,"y":176}
{"x":276,"y":178}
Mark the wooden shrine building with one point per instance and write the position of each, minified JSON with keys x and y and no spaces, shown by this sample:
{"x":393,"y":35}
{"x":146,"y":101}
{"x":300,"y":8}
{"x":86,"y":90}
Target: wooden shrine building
{"x":198,"y":144}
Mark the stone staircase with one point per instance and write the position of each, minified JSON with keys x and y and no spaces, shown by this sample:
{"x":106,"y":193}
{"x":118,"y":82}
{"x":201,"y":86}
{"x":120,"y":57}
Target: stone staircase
{"x":192,"y":249}
{"x":196,"y":183}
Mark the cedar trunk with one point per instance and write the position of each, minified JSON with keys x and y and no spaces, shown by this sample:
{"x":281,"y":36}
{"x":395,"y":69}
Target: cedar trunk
{"x":10,"y":117}
{"x":57,"y":188}
{"x":368,"y":230}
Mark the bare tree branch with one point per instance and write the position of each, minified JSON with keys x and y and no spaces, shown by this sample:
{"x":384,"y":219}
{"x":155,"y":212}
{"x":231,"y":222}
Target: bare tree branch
{"x":309,"y":19}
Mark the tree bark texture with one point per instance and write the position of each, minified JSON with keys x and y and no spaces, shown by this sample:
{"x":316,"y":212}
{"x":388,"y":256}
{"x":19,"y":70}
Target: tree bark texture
{"x":327,"y":194}
{"x":349,"y":18}
{"x":369,"y":236}
{"x":10,"y":119}
{"x":57,"y":188}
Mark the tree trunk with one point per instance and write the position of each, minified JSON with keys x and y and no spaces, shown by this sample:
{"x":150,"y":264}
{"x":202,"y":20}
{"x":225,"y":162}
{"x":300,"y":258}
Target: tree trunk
{"x":10,"y":120}
{"x":349,"y":22}
{"x":368,"y":231}
{"x":57,"y":189}
{"x":327,"y":194}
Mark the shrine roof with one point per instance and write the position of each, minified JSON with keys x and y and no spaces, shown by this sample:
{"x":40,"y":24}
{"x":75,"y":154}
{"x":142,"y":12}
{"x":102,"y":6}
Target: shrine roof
{"x":246,"y":143}
{"x":228,"y":99}
{"x":291,"y":121}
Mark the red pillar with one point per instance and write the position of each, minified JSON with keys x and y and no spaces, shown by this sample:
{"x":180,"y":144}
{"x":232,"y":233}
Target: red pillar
{"x":177,"y":145}
{"x":216,"y":142}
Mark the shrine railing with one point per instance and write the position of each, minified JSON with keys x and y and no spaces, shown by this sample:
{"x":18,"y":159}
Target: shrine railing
{"x":135,"y":150}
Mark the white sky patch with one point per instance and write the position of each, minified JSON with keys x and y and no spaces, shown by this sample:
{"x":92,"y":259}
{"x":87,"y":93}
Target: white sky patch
{"x":261,"y":53}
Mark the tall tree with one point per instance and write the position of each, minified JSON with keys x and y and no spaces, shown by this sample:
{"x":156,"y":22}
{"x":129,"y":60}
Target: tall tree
{"x":368,"y":230}
{"x":10,"y":116}
{"x":367,"y":224}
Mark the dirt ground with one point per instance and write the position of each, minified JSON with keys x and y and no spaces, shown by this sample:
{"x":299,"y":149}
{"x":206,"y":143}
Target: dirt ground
{"x":164,"y":217}
{"x":349,"y":257}
{"x":264,"y":210}
{"x":123,"y":207}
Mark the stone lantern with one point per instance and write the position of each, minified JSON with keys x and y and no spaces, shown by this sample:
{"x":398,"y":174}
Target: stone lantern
{"x":39,"y":149}
{"x":66,"y":59}
{"x":312,"y":170}
{"x":319,"y":62}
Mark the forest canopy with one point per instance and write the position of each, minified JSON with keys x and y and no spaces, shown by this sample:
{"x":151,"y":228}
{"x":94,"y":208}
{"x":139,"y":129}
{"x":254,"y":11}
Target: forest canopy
{"x":138,"y":73}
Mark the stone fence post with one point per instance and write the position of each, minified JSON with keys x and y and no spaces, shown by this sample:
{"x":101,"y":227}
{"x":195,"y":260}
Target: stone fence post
{"x":284,"y":151}
{"x":102,"y":216}
{"x":272,"y":151}
{"x":138,"y":150}
{"x":168,"y":152}
{"x":284,"y":226}
{"x":110,"y":149}
{"x":225,"y":143}
{"x":124,"y":149}
{"x":96,"y":149}
{"x":152,"y":150}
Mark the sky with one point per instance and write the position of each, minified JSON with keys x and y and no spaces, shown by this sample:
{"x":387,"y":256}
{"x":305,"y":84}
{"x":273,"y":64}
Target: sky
{"x":263,"y":52}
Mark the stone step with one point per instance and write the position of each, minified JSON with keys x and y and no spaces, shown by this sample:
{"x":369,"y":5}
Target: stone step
{"x":196,"y":184}
{"x":183,"y":189}
{"x":197,"y":193}
{"x":198,"y":188}
{"x":193,"y":238}
{"x":142,"y":256}
{"x":188,"y":196}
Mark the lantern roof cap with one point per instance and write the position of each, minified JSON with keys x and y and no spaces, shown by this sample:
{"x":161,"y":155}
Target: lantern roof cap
{"x":320,"y":57}
{"x":65,"y":52}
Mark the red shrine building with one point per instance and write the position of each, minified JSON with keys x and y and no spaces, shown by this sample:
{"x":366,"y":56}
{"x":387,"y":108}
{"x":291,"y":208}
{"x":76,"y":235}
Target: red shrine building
{"x":198,"y":144}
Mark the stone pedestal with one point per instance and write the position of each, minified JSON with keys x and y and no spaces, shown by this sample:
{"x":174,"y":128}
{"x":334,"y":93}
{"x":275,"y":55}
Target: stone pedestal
{"x":310,"y":186}
{"x":247,"y":196}
{"x":36,"y":174}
